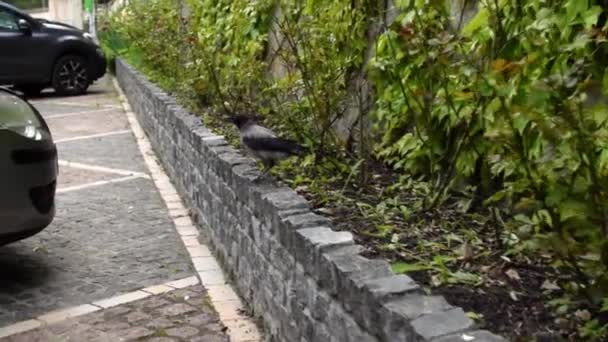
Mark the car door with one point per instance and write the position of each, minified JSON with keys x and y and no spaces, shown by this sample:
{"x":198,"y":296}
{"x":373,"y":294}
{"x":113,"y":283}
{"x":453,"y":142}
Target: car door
{"x":20,"y":52}
{"x":9,"y":56}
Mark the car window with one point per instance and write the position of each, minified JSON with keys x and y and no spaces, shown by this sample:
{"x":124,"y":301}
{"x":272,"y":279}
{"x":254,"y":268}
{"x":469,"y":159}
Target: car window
{"x":8,"y":21}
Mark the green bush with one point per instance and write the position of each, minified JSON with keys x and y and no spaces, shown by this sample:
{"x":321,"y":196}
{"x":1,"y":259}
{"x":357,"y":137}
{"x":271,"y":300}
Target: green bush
{"x":511,"y":112}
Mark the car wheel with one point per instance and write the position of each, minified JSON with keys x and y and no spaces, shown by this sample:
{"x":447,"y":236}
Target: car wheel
{"x":71,"y":75}
{"x":30,"y":89}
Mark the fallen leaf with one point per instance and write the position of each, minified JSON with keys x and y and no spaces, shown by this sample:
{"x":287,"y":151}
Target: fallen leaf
{"x":511,"y":273}
{"x":505,"y":258}
{"x":549,"y":285}
{"x":39,"y":249}
{"x":301,"y":188}
{"x":583,"y":315}
{"x":513,"y":296}
{"x":467,"y":251}
{"x":474,"y":316}
{"x":326,"y":211}
{"x":436,"y":280}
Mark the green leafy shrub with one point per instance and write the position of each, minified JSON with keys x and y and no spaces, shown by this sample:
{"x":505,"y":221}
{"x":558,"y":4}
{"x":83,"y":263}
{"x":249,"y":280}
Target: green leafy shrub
{"x":510,"y":111}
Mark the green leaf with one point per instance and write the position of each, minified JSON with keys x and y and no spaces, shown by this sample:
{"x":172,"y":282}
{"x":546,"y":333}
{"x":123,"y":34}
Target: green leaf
{"x":591,"y":16}
{"x":464,"y":278}
{"x":474,"y":316}
{"x":569,"y":209}
{"x":404,"y":267}
{"x":574,"y":8}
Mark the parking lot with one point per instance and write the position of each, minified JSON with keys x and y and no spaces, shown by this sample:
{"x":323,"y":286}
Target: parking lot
{"x":112,"y":233}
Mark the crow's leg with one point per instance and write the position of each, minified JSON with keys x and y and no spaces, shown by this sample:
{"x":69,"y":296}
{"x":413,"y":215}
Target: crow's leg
{"x":268,"y":164}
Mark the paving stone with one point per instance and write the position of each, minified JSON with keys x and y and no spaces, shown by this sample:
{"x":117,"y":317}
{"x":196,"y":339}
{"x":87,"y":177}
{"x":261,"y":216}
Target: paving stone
{"x":201,"y":319}
{"x":61,"y":315}
{"x":122,"y":299}
{"x":134,"y":333}
{"x":182,"y":331}
{"x":158,"y":289}
{"x":136,"y":321}
{"x":115,"y":311}
{"x":137,"y":316}
{"x":176,"y":309}
{"x":161,"y":339}
{"x":19,"y":327}
{"x":181,"y":283}
{"x":209,"y":338}
{"x":159,"y":323}
{"x":154,"y":302}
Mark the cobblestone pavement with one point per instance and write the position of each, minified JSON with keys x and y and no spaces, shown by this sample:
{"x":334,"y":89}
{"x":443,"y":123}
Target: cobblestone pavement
{"x":181,"y":315}
{"x":112,"y":234}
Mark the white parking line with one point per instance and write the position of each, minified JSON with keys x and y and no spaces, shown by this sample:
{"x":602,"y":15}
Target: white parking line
{"x":94,"y":184}
{"x":83,"y":137}
{"x":57,"y":116}
{"x":102,"y":169}
{"x":74,"y":104}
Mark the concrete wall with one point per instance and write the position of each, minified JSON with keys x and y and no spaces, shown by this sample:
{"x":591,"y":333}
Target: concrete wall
{"x":66,"y":11}
{"x":302,"y":279}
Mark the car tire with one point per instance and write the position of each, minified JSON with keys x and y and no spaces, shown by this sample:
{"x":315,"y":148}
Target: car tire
{"x":30,"y":89}
{"x":71,"y":75}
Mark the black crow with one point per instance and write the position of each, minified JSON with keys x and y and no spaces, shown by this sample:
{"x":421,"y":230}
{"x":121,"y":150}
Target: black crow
{"x":263,"y":144}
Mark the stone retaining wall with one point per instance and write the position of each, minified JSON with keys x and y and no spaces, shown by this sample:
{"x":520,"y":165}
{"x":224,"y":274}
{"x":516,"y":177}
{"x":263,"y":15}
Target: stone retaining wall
{"x":302,"y":279}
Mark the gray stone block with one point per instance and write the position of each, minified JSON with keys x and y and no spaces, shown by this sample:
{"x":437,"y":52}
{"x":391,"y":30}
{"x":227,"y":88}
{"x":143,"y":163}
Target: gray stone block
{"x":347,"y":270}
{"x":441,"y":323}
{"x":370,"y":293}
{"x":283,"y":199}
{"x":311,"y":242}
{"x":319,"y":306}
{"x":380,"y":289}
{"x":413,"y":305}
{"x":326,"y":275}
{"x":321,"y":333}
{"x":344,"y":328}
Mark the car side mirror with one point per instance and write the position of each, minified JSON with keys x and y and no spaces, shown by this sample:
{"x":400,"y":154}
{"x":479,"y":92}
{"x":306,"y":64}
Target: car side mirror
{"x":24,"y":26}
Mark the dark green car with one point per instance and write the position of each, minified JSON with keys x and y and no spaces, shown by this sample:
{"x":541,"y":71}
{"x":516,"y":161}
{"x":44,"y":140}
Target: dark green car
{"x":28,"y":169}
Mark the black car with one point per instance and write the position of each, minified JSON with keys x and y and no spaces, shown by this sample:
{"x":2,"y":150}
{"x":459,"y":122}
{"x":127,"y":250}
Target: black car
{"x":28,"y":170}
{"x":37,"y":53}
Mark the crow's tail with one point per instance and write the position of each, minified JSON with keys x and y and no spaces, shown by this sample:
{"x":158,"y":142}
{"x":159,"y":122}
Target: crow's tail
{"x":294,"y":148}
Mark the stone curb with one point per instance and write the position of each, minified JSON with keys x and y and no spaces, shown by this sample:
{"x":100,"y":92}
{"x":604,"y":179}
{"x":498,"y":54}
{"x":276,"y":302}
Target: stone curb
{"x":306,"y":281}
{"x":229,"y":306}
